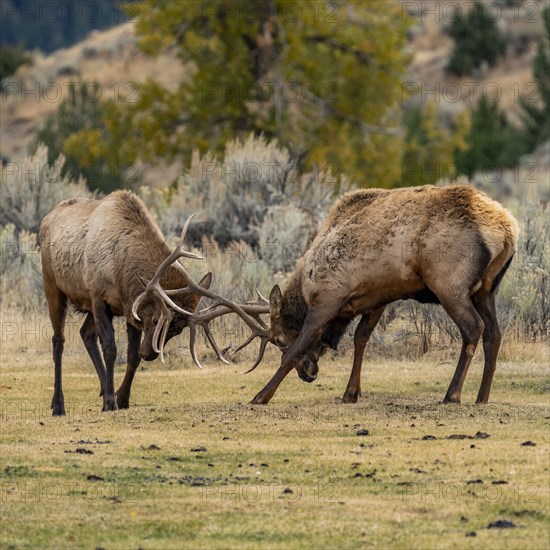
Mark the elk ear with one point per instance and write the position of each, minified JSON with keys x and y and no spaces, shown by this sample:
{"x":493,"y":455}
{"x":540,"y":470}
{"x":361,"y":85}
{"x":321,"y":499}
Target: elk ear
{"x":206,"y":281}
{"x":141,"y":279}
{"x":275,"y":301}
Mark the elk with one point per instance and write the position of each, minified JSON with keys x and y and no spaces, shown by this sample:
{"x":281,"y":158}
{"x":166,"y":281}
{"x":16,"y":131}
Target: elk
{"x":442,"y":245}
{"x":107,"y":258}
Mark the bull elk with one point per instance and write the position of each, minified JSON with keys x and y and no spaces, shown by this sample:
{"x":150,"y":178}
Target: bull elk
{"x":448,"y":246}
{"x":107,"y":258}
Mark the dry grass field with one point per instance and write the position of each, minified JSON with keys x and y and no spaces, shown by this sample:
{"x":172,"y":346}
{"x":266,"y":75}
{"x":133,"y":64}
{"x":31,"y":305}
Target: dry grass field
{"x":192,"y":465}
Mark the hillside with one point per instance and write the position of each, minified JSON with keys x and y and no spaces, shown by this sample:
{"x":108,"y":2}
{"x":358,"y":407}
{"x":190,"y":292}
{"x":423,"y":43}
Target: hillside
{"x":110,"y":58}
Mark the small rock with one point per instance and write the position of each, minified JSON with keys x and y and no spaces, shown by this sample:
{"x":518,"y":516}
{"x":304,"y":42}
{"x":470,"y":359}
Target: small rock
{"x":82,"y":451}
{"x":93,"y":477}
{"x":199,"y":450}
{"x":501,"y":524}
{"x":499,"y":482}
{"x":287,"y":491}
{"x":362,"y":432}
{"x":152,"y":448}
{"x":482,"y":435}
{"x":474,"y":482}
{"x":428,"y":437}
{"x":471,"y":534}
{"x":528,"y":444}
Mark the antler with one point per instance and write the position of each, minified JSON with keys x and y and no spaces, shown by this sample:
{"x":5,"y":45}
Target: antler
{"x":252,"y":311}
{"x":249,"y":312}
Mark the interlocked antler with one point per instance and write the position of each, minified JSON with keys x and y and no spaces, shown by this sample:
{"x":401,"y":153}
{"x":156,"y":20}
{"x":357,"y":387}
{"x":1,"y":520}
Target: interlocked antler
{"x":249,"y":312}
{"x":252,"y":310}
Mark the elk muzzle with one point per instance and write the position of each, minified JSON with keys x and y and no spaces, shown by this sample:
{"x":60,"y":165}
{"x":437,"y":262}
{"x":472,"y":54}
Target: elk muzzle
{"x":146,"y":351}
{"x":308,"y":369}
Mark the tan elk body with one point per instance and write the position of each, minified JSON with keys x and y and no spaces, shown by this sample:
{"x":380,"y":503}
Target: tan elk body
{"x":447,"y":245}
{"x":97,"y":256}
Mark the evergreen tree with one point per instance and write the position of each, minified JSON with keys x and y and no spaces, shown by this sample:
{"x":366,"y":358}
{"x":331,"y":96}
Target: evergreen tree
{"x":493,"y":142}
{"x":477,"y":39}
{"x":535,"y":118}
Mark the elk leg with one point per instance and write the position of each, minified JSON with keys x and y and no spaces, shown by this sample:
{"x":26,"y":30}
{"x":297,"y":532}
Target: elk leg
{"x":88,"y":334}
{"x":362,"y":334}
{"x":485,"y":305}
{"x":57,"y":307}
{"x":312,"y":330}
{"x":463,"y":313}
{"x":104,"y":324}
{"x":134,"y":340}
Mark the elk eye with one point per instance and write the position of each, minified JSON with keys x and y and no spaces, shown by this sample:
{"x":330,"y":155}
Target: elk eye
{"x":155,"y":320}
{"x":281,"y":342}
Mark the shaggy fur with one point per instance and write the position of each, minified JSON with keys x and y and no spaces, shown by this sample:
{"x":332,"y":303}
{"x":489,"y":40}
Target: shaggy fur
{"x":92,"y":253}
{"x":448,"y":245}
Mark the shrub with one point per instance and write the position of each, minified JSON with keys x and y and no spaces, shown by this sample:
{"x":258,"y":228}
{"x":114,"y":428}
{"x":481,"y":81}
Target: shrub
{"x":21,"y":285}
{"x":32,"y":187}
{"x":248,"y":196}
{"x":523,"y":304}
{"x":12,"y":58}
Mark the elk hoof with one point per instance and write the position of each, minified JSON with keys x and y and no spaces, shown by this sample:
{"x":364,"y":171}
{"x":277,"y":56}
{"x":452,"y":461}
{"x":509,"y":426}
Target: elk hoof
{"x":109,"y":404}
{"x":351,"y":397}
{"x":451,"y":399}
{"x":258,"y":401}
{"x":123,"y":401}
{"x":58,"y":406}
{"x":58,"y":409}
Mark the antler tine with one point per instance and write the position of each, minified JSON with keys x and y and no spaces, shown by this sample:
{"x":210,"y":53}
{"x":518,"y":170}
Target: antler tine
{"x":165,"y":328}
{"x":206,"y":315}
{"x":263,"y":345}
{"x":206,"y":329}
{"x":249,"y":340}
{"x":192,"y":335}
{"x":203,"y":319}
{"x":261,"y":298}
{"x":177,"y":253}
{"x":154,"y":284}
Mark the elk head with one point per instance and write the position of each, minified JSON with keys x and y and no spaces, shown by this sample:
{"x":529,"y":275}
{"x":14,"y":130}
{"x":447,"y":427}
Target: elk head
{"x":161,"y":318}
{"x":285,"y":324}
{"x":157,"y":317}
